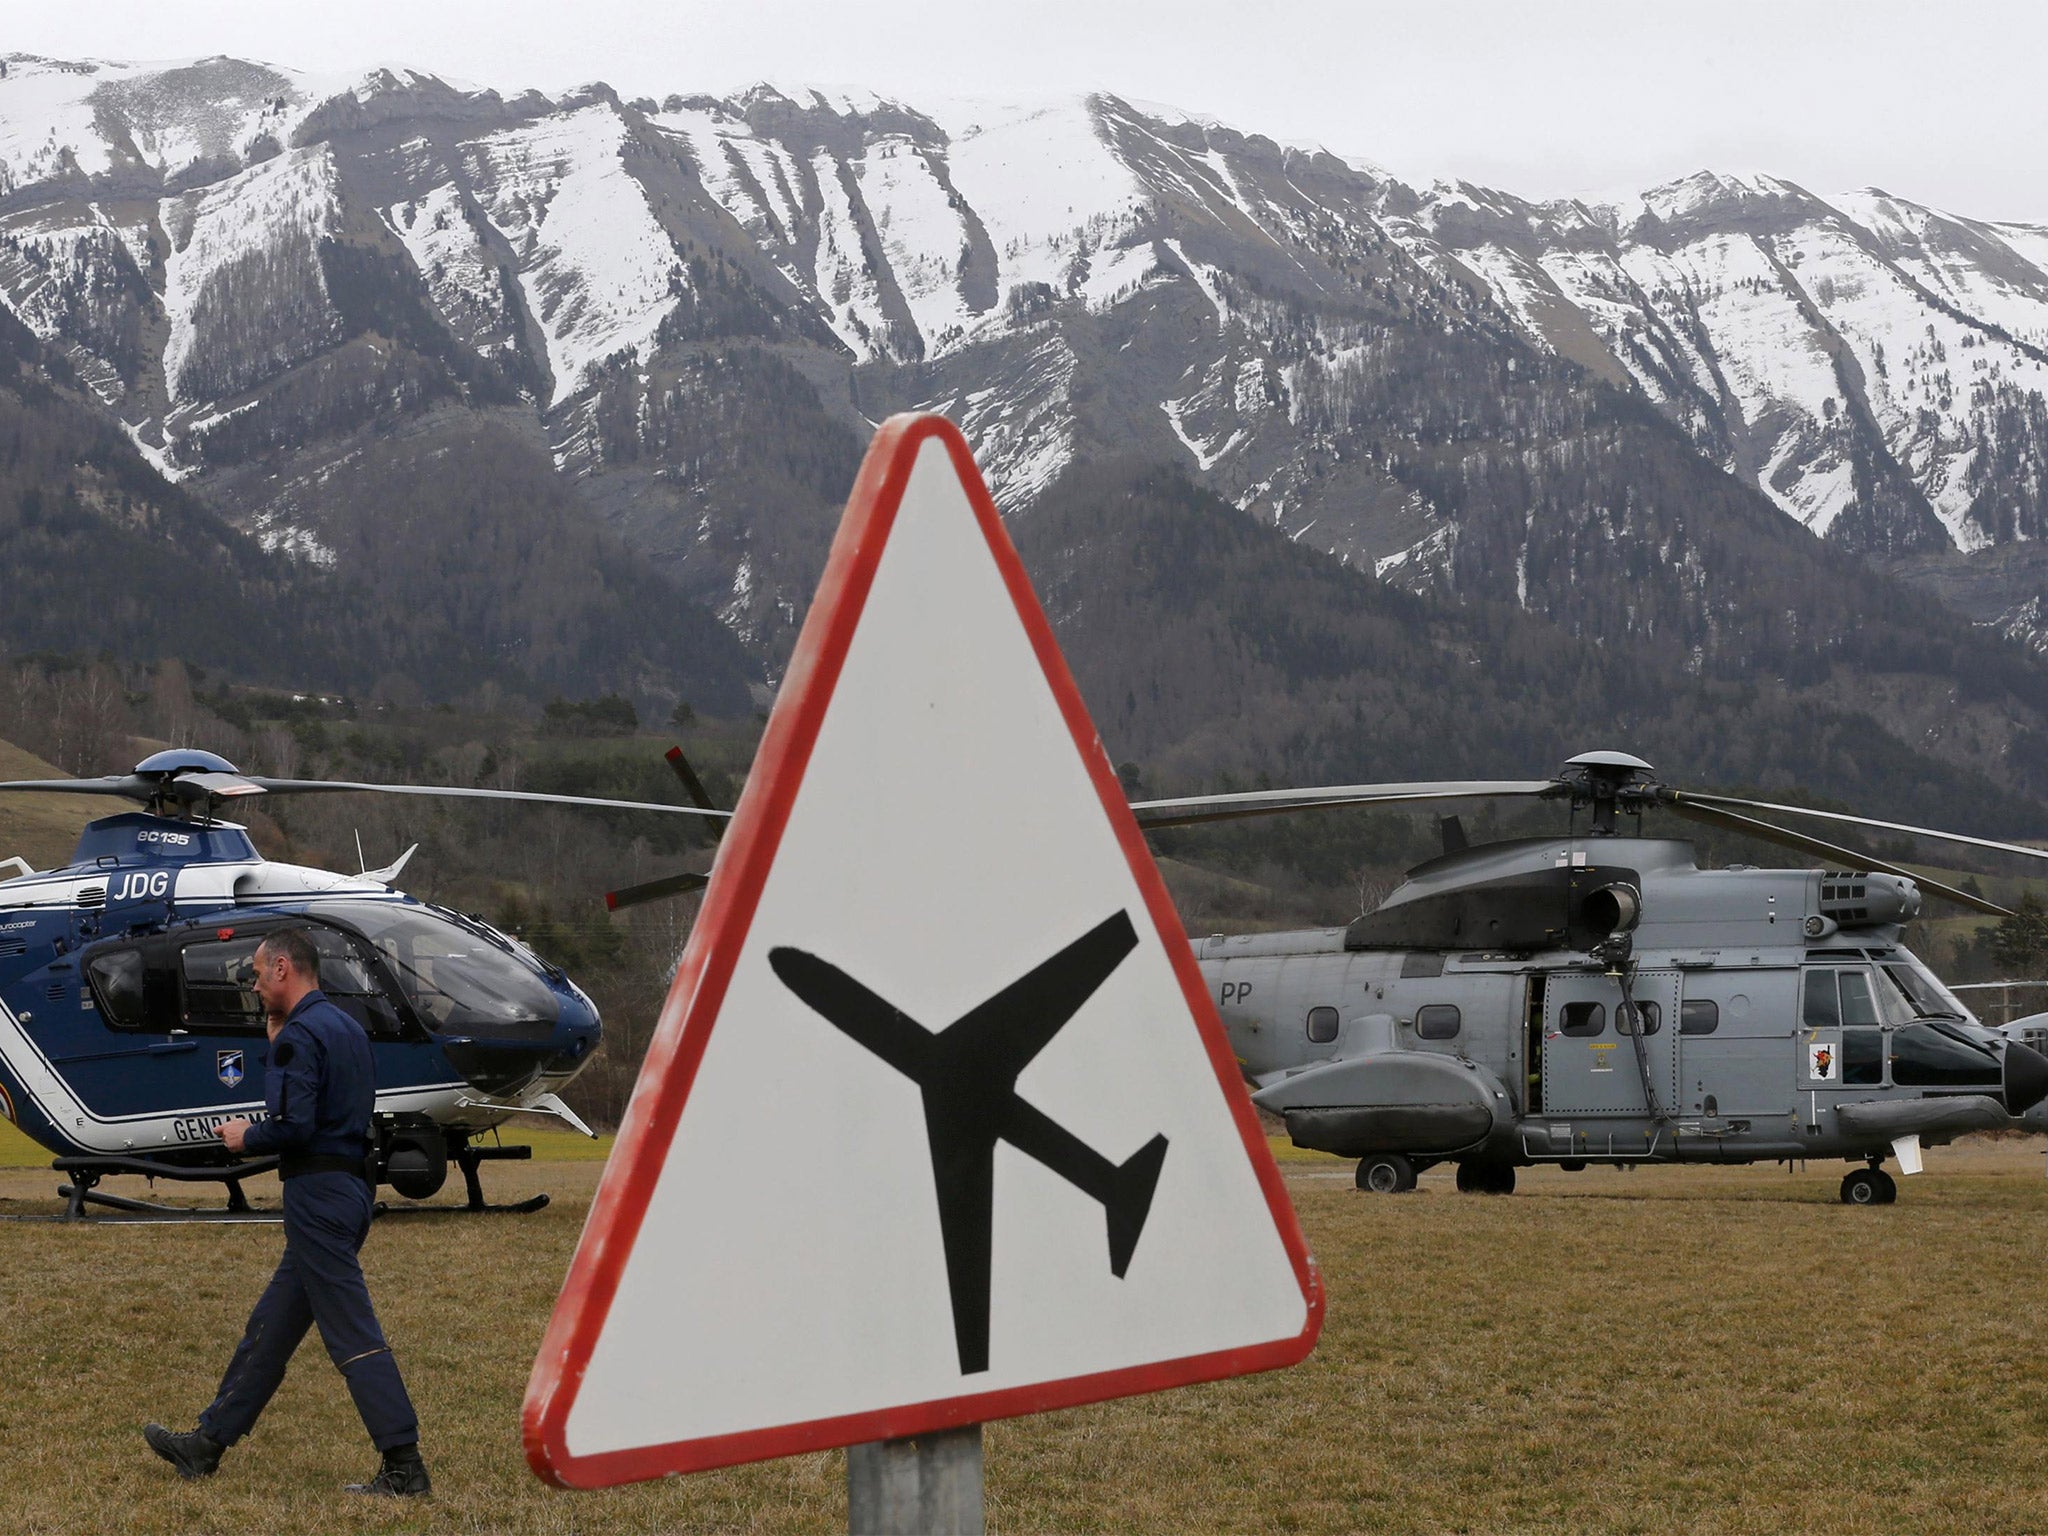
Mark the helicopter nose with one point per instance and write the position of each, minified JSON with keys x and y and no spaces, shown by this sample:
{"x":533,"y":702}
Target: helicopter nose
{"x":580,"y":1031}
{"x":2026,"y":1078}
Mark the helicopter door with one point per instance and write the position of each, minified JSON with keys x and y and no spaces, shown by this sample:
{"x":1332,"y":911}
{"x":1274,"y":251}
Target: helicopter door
{"x":1736,"y":1032}
{"x":1589,"y":1049}
{"x":1842,"y":1055}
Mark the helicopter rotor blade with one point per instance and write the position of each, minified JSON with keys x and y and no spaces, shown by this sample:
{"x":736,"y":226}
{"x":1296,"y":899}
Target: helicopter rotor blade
{"x":692,"y":785}
{"x":1196,"y":809}
{"x":456,"y":792}
{"x":1694,"y":798}
{"x":654,"y":890}
{"x":673,"y":885}
{"x":1849,"y":858}
{"x":194,"y":787}
{"x":127,"y":785}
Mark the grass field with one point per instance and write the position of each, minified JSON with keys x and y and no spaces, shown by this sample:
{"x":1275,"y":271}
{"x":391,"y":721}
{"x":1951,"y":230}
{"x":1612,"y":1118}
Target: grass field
{"x":1668,"y":1350}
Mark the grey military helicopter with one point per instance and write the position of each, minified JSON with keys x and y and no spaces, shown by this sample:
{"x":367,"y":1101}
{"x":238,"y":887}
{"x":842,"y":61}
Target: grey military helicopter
{"x":1600,"y":998}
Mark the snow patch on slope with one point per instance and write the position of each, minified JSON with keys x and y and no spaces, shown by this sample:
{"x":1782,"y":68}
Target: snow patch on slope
{"x":46,"y":120}
{"x":90,"y":116}
{"x":598,"y":271}
{"x":462,"y":279}
{"x":1775,"y":361}
{"x":843,"y":277}
{"x":1043,"y":181}
{"x":923,"y":234}
{"x":231,"y":227}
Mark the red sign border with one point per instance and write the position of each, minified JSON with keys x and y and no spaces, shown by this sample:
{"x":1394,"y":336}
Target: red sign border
{"x":695,"y":996}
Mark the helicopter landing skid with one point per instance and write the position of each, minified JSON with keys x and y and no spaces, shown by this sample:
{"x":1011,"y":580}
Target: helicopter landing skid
{"x":85,"y":1174}
{"x":467,"y":1158}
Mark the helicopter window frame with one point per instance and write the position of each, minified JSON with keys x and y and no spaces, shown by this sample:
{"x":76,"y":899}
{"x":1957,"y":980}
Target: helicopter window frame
{"x":1853,"y":983}
{"x":199,"y":1006}
{"x":372,"y":997}
{"x":1924,"y":992}
{"x":164,"y":1003}
{"x":160,"y":1003}
{"x":1699,"y":1016}
{"x":126,"y":1008}
{"x":1431,"y":1023}
{"x":1863,"y":1055}
{"x":1322,"y":1024}
{"x":1582,"y":1019}
{"x":1820,"y":1001}
{"x":1652,"y":1015}
{"x":468,"y":992}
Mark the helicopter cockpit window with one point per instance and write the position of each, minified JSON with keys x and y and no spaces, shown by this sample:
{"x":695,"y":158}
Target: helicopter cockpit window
{"x":1439,"y":1021}
{"x":1823,"y":1009}
{"x":1858,"y":1005}
{"x":1652,"y":1015}
{"x":1699,"y":1016}
{"x":350,"y":983}
{"x":218,"y":979}
{"x":116,"y":977}
{"x":1582,"y":1019}
{"x":1926,"y":996}
{"x":1322,"y":1025}
{"x":458,"y":977}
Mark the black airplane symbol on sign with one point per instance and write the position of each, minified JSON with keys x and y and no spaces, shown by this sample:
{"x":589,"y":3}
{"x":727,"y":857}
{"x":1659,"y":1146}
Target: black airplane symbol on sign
{"x":967,"y":1073}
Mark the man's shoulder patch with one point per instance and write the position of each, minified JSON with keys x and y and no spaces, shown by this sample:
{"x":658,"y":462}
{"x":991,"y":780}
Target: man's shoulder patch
{"x":282,"y":1052}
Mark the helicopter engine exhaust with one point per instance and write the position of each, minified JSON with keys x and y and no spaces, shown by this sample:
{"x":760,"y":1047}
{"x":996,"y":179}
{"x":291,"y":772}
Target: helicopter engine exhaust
{"x":1612,"y":909}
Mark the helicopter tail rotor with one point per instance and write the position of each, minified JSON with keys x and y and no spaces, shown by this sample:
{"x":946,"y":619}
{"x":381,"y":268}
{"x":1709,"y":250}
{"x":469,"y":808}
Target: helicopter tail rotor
{"x":673,"y":885}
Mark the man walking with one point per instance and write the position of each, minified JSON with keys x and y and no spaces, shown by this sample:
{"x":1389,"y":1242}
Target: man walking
{"x":321,"y":1098}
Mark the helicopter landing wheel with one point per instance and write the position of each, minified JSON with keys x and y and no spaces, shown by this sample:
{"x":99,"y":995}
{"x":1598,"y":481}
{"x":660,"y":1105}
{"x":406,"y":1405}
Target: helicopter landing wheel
{"x":1476,"y":1178}
{"x":1869,"y":1186}
{"x":1386,"y":1173}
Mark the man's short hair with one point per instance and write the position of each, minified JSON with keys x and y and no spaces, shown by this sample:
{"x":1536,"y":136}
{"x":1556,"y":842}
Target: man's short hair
{"x":296,"y":945}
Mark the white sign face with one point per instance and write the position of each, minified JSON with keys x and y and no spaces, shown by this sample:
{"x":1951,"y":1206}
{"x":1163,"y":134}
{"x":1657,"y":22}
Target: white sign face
{"x":939,"y":1124}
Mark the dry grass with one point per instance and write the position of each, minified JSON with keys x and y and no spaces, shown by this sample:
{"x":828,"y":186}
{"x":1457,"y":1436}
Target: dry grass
{"x":43,"y":828}
{"x":1714,"y":1350}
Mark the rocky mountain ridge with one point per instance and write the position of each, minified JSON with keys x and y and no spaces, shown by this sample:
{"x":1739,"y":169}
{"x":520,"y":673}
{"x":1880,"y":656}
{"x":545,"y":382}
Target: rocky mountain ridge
{"x":1625,"y":422}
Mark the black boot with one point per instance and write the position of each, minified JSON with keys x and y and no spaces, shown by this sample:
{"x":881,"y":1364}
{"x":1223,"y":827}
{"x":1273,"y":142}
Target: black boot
{"x":194,"y":1455}
{"x":403,"y":1475}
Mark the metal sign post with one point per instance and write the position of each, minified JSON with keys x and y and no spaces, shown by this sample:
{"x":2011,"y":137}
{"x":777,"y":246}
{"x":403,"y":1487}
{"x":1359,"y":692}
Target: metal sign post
{"x":925,"y":1485}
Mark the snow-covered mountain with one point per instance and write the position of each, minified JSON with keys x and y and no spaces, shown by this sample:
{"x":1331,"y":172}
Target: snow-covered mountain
{"x":1874,"y":367}
{"x":265,"y":275}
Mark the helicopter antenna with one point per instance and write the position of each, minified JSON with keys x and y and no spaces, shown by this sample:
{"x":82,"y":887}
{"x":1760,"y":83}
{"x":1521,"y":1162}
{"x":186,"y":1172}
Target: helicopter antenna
{"x":362,"y":864}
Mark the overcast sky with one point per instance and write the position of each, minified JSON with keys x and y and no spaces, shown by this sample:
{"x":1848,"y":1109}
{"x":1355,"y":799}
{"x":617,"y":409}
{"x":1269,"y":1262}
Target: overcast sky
{"x":1943,"y":103}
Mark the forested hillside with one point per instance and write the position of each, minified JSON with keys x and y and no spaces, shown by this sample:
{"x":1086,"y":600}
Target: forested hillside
{"x":470,"y":565}
{"x":1213,"y":651}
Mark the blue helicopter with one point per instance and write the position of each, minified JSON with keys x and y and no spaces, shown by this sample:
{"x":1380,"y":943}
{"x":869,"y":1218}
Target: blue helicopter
{"x":129,"y":1030}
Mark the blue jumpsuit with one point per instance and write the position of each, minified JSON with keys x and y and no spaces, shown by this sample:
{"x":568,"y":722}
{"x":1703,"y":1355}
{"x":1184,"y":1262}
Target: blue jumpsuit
{"x":321,"y":1095}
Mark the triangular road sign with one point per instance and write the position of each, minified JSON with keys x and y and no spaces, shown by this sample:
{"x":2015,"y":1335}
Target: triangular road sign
{"x":939,"y":1124}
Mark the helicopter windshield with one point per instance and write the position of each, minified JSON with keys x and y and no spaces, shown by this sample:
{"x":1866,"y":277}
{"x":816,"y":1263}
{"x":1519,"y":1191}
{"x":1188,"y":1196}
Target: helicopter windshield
{"x":455,"y":977}
{"x":1923,"y":994}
